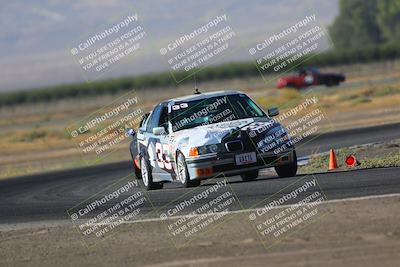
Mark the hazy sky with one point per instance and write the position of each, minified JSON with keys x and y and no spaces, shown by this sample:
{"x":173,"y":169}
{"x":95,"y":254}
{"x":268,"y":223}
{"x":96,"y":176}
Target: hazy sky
{"x":36,"y":35}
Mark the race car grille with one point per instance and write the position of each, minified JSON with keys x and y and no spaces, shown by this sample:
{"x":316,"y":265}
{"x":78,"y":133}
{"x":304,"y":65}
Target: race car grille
{"x":234,"y":146}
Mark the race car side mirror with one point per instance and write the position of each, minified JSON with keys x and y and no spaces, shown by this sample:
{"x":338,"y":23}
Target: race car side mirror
{"x":274,"y":111}
{"x":158,"y":130}
{"x":130,"y":132}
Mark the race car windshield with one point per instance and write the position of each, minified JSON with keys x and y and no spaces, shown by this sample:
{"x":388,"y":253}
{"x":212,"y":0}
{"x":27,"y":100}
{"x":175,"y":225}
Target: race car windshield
{"x":185,"y":115}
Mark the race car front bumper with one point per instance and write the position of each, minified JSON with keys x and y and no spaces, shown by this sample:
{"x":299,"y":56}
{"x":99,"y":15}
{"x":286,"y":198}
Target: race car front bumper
{"x":209,"y":166}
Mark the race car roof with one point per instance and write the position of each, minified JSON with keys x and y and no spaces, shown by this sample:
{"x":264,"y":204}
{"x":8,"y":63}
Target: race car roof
{"x":204,"y":95}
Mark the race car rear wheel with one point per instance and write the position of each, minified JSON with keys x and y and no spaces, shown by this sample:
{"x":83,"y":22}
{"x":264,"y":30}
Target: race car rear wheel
{"x":147,"y":177}
{"x":183,"y":174}
{"x":332,"y":82}
{"x":249,"y":176}
{"x":288,"y":170}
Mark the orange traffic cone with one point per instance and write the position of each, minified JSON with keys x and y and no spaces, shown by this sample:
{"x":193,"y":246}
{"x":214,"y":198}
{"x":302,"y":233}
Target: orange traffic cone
{"x":332,"y":161}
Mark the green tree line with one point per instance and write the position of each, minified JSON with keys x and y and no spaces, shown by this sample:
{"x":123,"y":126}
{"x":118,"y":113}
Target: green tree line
{"x":367,"y":53}
{"x":366,"y":22}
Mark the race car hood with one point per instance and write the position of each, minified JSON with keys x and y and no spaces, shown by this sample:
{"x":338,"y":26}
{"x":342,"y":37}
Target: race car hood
{"x":216,"y":133}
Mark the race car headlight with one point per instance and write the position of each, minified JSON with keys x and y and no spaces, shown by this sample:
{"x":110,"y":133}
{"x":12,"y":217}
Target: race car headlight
{"x":202,"y":150}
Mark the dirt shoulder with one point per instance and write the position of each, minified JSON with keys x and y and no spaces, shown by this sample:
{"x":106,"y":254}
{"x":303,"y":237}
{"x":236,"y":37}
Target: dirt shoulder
{"x":363,"y":232}
{"x":378,"y":155}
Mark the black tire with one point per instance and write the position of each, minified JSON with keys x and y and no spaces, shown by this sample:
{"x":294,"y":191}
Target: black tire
{"x":147,"y":176}
{"x":184,"y":177}
{"x":288,"y":170}
{"x":249,"y":176}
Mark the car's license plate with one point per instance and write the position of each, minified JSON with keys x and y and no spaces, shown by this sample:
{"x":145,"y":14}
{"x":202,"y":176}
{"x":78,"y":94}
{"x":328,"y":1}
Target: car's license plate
{"x":246,"y":158}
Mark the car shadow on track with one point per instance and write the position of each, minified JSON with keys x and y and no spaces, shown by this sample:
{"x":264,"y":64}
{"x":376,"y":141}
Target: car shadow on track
{"x":263,"y":179}
{"x":237,"y":179}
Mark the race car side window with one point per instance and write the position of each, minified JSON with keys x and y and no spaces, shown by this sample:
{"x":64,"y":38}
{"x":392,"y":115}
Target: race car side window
{"x":143,"y":122}
{"x":154,"y":118}
{"x":164,"y":118}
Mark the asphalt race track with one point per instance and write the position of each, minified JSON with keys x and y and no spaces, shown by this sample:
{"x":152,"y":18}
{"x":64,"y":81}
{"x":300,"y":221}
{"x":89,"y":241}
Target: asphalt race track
{"x":48,"y":196}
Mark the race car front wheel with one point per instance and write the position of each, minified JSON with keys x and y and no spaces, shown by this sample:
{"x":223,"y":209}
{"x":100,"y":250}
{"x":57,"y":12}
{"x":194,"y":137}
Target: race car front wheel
{"x":288,"y":170}
{"x":183,"y":174}
{"x":147,"y":177}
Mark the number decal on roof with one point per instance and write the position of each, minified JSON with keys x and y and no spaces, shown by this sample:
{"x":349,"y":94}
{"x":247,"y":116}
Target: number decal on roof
{"x":179,"y":106}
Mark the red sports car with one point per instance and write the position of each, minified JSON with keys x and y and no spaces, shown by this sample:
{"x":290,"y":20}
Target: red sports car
{"x":310,"y":77}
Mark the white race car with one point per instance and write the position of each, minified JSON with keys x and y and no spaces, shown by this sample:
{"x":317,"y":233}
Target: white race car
{"x":191,"y":138}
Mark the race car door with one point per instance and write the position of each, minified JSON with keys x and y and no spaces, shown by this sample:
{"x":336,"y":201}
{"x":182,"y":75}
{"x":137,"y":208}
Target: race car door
{"x":160,"y":154}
